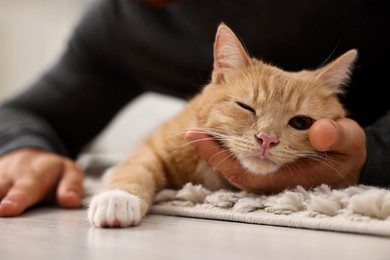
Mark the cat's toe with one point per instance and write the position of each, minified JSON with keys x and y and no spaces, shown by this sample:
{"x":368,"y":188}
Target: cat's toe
{"x":114,"y":208}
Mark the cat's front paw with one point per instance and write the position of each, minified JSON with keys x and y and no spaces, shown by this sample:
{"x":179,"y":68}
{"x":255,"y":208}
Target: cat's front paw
{"x":115,"y":208}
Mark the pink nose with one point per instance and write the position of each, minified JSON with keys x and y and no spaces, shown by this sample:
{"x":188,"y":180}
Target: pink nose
{"x":266,"y":140}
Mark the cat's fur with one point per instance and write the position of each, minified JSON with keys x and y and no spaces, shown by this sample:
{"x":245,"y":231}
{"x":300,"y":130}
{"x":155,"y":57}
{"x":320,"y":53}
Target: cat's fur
{"x":259,"y":112}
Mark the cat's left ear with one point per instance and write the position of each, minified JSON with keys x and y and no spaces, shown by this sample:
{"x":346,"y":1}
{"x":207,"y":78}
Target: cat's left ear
{"x":228,"y":53}
{"x":338,"y":73}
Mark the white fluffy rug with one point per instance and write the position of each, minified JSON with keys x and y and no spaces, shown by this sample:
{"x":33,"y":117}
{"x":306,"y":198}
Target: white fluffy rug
{"x":358,"y":209}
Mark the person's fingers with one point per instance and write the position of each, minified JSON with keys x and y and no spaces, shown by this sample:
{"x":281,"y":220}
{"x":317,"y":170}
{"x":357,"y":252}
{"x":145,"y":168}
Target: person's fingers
{"x":343,"y":136}
{"x":23,"y":193}
{"x":5,"y":185}
{"x":70,"y":187}
{"x":323,"y":134}
{"x":36,"y":176}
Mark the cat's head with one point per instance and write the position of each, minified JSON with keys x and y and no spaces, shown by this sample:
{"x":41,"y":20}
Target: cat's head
{"x":261,"y":113}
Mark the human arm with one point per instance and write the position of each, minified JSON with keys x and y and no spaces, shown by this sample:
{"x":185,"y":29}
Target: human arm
{"x":48,"y":124}
{"x":76,"y":97}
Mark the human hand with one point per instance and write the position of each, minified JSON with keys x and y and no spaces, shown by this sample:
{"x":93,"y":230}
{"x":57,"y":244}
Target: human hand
{"x":29,"y":176}
{"x":342,"y":140}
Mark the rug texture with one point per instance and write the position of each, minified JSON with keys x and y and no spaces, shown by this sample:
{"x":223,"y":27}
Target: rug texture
{"x":358,"y":209}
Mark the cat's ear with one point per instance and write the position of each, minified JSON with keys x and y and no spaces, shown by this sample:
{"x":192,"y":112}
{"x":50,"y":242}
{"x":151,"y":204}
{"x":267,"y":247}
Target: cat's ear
{"x":337,"y":73}
{"x":228,"y":53}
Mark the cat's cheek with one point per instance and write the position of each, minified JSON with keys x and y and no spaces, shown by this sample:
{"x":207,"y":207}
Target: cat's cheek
{"x":114,"y":208}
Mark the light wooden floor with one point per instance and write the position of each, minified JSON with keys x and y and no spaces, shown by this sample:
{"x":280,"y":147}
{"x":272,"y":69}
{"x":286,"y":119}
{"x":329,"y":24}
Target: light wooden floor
{"x":50,"y":233}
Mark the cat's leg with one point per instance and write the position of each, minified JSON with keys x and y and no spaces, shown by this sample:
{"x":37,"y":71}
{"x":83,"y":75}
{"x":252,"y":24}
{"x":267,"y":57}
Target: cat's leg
{"x":129,"y":190}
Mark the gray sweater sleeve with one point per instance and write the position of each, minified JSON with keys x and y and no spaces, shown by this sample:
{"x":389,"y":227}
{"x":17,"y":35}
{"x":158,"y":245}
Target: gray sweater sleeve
{"x":22,"y":129}
{"x":71,"y":102}
{"x":118,"y":50}
{"x":377,"y":169}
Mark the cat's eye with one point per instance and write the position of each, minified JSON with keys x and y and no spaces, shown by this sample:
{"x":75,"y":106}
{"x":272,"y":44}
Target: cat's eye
{"x":246,"y":107}
{"x":301,"y":122}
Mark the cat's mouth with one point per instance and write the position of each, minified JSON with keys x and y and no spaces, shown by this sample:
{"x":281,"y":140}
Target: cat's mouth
{"x":261,"y":158}
{"x":260,"y":164}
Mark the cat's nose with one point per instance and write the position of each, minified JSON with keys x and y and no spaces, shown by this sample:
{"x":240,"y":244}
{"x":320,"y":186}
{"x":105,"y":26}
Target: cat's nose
{"x":266,"y":141}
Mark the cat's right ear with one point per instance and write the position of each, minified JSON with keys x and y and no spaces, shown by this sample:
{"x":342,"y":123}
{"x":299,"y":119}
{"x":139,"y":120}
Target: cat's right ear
{"x":228,"y":53}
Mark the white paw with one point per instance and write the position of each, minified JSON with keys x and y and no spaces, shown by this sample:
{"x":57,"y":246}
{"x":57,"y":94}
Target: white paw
{"x":114,"y":208}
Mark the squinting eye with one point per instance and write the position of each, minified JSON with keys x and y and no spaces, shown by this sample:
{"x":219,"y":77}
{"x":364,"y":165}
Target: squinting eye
{"x":301,"y":122}
{"x":245,"y":106}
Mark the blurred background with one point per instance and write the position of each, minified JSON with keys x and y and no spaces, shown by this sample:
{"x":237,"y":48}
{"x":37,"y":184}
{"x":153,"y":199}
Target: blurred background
{"x":33,"y":34}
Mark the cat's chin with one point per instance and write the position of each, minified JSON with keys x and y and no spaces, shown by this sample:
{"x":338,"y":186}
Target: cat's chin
{"x":260,"y":167}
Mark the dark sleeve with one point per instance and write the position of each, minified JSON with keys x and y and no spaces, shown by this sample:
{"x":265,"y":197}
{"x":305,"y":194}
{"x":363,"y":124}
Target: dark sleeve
{"x":75,"y":99}
{"x":377,"y":169}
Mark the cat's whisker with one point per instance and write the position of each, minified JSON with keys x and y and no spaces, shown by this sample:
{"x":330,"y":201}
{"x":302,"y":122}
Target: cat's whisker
{"x":327,"y":59}
{"x":178,"y":148}
{"x":325,"y":156}
{"x":183,"y":132}
{"x":242,"y":142}
{"x":332,"y":167}
{"x":320,"y":86}
{"x":208,"y":131}
{"x":223,"y":160}
{"x":322,"y":158}
{"x":317,"y":88}
{"x":214,"y":136}
{"x":337,"y":163}
{"x":289,"y":155}
{"x":216,"y":154}
{"x":290,"y":167}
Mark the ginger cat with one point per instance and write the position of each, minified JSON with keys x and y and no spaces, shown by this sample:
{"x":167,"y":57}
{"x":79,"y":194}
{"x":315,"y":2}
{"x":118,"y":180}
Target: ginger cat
{"x":259,"y":112}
